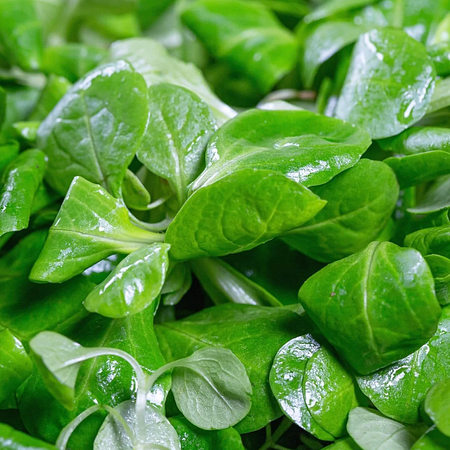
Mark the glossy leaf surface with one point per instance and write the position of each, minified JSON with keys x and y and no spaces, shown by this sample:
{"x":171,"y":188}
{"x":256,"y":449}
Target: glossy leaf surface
{"x":436,"y":406}
{"x":399,"y":389}
{"x":353,"y":217}
{"x":238,"y":213}
{"x":21,"y":181}
{"x":133,"y":285}
{"x":433,"y":439}
{"x":90,"y":226}
{"x":306,"y":147}
{"x":374,"y":94}
{"x":188,"y":121}
{"x":385,"y":317}
{"x":152,"y":60}
{"x":11,"y":439}
{"x":96,"y":128}
{"x":254,"y":334}
{"x":440,"y":267}
{"x":431,"y":241}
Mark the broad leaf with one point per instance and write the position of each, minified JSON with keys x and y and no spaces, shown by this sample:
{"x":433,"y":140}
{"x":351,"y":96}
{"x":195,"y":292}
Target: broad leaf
{"x":152,"y":60}
{"x":435,"y":198}
{"x":319,"y":392}
{"x":254,"y":334}
{"x":431,"y":241}
{"x":8,"y":152}
{"x":11,"y":439}
{"x":15,"y":367}
{"x":353,"y":217}
{"x":398,"y":390}
{"x":235,"y":31}
{"x":440,"y":268}
{"x":21,"y":180}
{"x":179,"y":128}
{"x":373,"y":431}
{"x":211,"y":388}
{"x":239,"y":212}
{"x":389,"y":83}
{"x":90,"y":226}
{"x":433,"y":439}
{"x":367,"y":311}
{"x":133,"y":285}
{"x":96,"y":128}
{"x":436,"y":405}
{"x":193,"y":438}
{"x":20,"y":33}
{"x":306,"y":147}
{"x":160,"y":433}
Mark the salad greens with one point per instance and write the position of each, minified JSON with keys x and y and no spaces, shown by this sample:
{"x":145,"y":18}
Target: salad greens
{"x":224,"y":224}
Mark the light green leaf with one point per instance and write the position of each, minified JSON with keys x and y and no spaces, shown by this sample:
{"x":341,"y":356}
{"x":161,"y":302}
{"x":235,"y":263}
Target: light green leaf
{"x":333,"y":7}
{"x":436,"y":405}
{"x":10,"y":439}
{"x":433,"y":439}
{"x":134,"y":193}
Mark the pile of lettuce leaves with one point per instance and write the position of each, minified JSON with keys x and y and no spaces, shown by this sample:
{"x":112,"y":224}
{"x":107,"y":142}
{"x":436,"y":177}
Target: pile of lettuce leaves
{"x":224,"y":224}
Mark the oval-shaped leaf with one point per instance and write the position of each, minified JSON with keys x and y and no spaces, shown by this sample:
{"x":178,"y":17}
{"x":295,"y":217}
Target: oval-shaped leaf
{"x":436,"y":405}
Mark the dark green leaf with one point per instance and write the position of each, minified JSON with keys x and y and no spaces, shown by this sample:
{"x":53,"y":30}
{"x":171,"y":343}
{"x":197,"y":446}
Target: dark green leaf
{"x":374,"y":95}
{"x":430,"y":241}
{"x":8,"y":152}
{"x":306,"y":147}
{"x":179,"y":128}
{"x":333,"y":7}
{"x":236,"y":31}
{"x":318,"y":393}
{"x":441,"y":96}
{"x":353,"y":217}
{"x":96,"y":128}
{"x":440,"y":54}
{"x":368,"y":311}
{"x":433,"y":439}
{"x":254,"y":334}
{"x":440,"y":267}
{"x":90,"y":226}
{"x":398,"y":390}
{"x":20,"y":33}
{"x":193,"y":438}
{"x":10,"y":439}
{"x":239,"y":212}
{"x":436,"y":405}
{"x":151,"y":59}
{"x":133,"y":285}
{"x":150,"y":10}
{"x":21,"y":181}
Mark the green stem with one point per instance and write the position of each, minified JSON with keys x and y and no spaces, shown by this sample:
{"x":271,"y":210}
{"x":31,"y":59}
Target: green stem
{"x":122,"y":422}
{"x":282,"y":428}
{"x":399,"y":9}
{"x":152,"y":227}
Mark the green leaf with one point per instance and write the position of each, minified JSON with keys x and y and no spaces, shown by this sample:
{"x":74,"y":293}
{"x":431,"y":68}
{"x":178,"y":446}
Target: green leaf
{"x":435,"y":198}
{"x":441,"y":96}
{"x":177,"y":284}
{"x":26,"y":132}
{"x":20,"y":33}
{"x":96,"y":129}
{"x":239,"y":212}
{"x":72,"y":60}
{"x":431,"y":241}
{"x":384,"y":62}
{"x":182,"y":116}
{"x":318,"y":393}
{"x":236,"y":31}
{"x":344,"y":444}
{"x":15,"y":365}
{"x":225,"y":284}
{"x":375,"y":306}
{"x":133,"y":285}
{"x":436,"y":405}
{"x":372,"y":431}
{"x":399,"y":389}
{"x":21,"y":181}
{"x":150,"y":10}
{"x":134,"y":193}
{"x":253,"y":333}
{"x":90,"y":226}
{"x":211,"y":388}
{"x":2,"y":106}
{"x":353,"y":217}
{"x":306,"y":147}
{"x":10,"y":439}
{"x":433,"y":439}
{"x":193,"y":438}
{"x":27,"y":308}
{"x":440,"y":267}
{"x":440,"y":54}
{"x":8,"y":152}
{"x":105,"y":380}
{"x":333,"y":7}
{"x":160,"y":433}
{"x":152,"y":60}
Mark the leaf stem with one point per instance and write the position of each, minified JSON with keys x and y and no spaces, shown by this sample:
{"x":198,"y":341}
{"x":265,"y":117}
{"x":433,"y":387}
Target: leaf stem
{"x":399,"y":10}
{"x":122,"y":422}
{"x":152,"y":227}
{"x":282,"y":428}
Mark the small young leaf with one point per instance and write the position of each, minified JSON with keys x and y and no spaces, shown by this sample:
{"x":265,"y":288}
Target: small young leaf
{"x":437,"y":404}
{"x":21,"y":181}
{"x":160,"y":433}
{"x":91,"y":225}
{"x":133,"y":285}
{"x":134,"y":193}
{"x":239,"y":212}
{"x":211,"y":388}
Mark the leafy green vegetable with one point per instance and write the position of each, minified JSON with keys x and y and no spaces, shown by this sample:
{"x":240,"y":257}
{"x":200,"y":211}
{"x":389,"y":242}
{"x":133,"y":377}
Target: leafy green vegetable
{"x":374,"y":94}
{"x":344,"y":444}
{"x":8,"y":152}
{"x":10,"y":439}
{"x":306,"y":147}
{"x":433,"y":439}
{"x":440,"y":267}
{"x":133,"y":285}
{"x":333,"y":7}
{"x":398,"y":390}
{"x":273,"y":205}
{"x":21,"y":181}
{"x":352,"y":217}
{"x":234,"y":31}
{"x":182,"y":116}
{"x":134,"y":193}
{"x":436,"y":406}
{"x":90,"y":226}
{"x":96,"y":128}
{"x":366,"y":292}
{"x":431,"y":241}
